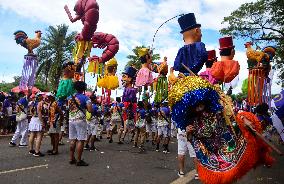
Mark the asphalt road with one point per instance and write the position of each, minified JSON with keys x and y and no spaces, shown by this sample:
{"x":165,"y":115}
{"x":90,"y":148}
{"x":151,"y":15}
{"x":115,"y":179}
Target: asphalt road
{"x":112,"y":164}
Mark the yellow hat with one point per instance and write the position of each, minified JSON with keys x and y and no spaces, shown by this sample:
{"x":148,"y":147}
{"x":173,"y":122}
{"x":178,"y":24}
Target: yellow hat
{"x":143,"y":51}
{"x":112,"y":62}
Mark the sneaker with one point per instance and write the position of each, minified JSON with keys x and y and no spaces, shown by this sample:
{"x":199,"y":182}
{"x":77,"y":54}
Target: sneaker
{"x":110,"y":141}
{"x":108,"y":137}
{"x":39,"y":154}
{"x":120,"y":142}
{"x":87,"y":147}
{"x":72,"y":162}
{"x":49,"y":151}
{"x":135,"y":145}
{"x":181,"y":174}
{"x":12,"y":144}
{"x":157,"y":148}
{"x":81,"y":163}
{"x":53,"y":153}
{"x":93,"y":149}
{"x":22,"y":145}
{"x":196,"y":177}
{"x":31,"y":152}
{"x":147,"y":140}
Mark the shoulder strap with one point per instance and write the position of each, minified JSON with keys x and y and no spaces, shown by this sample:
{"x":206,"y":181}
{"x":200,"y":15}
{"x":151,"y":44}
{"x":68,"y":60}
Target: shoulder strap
{"x":77,"y":105}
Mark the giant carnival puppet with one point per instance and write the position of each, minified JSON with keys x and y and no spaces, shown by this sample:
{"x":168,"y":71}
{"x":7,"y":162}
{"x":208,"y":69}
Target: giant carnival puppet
{"x":259,"y":83}
{"x":161,"y":86}
{"x":226,"y":150}
{"x":88,"y":12}
{"x":129,"y":98}
{"x":144,"y":76}
{"x":210,"y":61}
{"x":30,"y":65}
{"x":226,"y":69}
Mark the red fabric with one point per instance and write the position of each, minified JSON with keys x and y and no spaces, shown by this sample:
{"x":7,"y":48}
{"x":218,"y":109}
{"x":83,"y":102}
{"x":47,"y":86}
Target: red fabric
{"x":225,"y":71}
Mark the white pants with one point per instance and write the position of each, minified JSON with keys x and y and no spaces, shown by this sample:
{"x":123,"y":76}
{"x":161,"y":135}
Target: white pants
{"x":277,"y":123}
{"x":21,"y":131}
{"x":184,"y":145}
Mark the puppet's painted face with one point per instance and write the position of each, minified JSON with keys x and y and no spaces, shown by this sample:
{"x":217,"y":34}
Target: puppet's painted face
{"x":200,"y":107}
{"x":126,"y":80}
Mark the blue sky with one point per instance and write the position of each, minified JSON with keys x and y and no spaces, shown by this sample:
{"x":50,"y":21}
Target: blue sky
{"x":133,"y":22}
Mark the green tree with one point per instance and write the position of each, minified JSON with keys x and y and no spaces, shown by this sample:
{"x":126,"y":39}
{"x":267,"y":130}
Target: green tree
{"x":55,"y":49}
{"x":134,"y":59}
{"x":261,"y":22}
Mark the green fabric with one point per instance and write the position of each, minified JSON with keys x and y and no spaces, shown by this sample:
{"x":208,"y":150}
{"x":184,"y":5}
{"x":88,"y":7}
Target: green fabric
{"x":65,"y":89}
{"x":162,"y":89}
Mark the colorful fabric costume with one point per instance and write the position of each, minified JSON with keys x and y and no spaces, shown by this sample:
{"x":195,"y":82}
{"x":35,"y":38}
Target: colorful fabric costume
{"x":129,"y":93}
{"x":110,"y":80}
{"x":208,"y":76}
{"x":225,"y":151}
{"x":193,"y":56}
{"x":65,"y":87}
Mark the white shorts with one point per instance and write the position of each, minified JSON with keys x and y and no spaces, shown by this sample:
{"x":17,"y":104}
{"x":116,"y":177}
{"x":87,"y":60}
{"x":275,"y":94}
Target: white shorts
{"x":92,"y":128}
{"x":184,"y":145}
{"x":151,"y":128}
{"x":163,"y":131}
{"x":130,"y":124}
{"x":35,"y":125}
{"x":78,"y":130}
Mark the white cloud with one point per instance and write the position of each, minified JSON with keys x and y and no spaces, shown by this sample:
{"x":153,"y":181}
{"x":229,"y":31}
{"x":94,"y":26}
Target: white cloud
{"x":134,"y":22}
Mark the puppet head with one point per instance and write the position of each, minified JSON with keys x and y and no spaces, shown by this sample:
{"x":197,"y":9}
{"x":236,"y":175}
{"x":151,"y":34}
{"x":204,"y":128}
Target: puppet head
{"x":128,"y":76}
{"x":189,"y":28}
{"x":227,"y":48}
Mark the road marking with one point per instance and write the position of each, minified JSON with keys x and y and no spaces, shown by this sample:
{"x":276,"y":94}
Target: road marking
{"x":23,"y":169}
{"x":186,"y":179}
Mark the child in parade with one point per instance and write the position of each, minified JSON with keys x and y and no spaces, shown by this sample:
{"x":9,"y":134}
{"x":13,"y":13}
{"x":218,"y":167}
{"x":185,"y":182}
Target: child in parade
{"x":55,"y":120}
{"x":151,"y":127}
{"x":140,"y":130}
{"x":116,"y":120}
{"x":107,"y":119}
{"x":36,"y":125}
{"x":129,"y":124}
{"x":163,"y":132}
{"x":22,"y":122}
{"x":78,"y":105}
{"x":93,"y":124}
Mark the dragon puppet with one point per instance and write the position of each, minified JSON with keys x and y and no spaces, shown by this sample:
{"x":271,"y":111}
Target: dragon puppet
{"x":225,"y":148}
{"x":30,"y":65}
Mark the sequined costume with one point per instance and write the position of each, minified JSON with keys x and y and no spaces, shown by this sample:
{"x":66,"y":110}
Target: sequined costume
{"x":225,"y":151}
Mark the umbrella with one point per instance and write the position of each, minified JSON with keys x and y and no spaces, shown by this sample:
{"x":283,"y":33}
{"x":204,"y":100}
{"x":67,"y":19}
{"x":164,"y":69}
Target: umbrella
{"x":17,"y":90}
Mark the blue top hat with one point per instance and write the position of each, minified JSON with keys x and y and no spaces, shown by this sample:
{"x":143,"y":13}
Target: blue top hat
{"x":187,"y":22}
{"x":130,"y":71}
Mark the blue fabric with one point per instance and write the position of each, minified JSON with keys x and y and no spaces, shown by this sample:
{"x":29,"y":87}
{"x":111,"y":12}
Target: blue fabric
{"x":166,"y":110}
{"x":193,"y":56}
{"x":95,"y":110}
{"x":23,"y":101}
{"x":280,"y":112}
{"x":83,"y":100}
{"x":142,"y":113}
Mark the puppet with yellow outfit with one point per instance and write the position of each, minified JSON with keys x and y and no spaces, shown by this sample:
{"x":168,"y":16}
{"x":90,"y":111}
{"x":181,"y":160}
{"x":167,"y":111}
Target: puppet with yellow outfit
{"x":110,"y":80}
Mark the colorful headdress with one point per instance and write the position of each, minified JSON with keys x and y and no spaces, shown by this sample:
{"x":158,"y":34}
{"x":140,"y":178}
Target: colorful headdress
{"x":143,"y":51}
{"x":187,"y":93}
